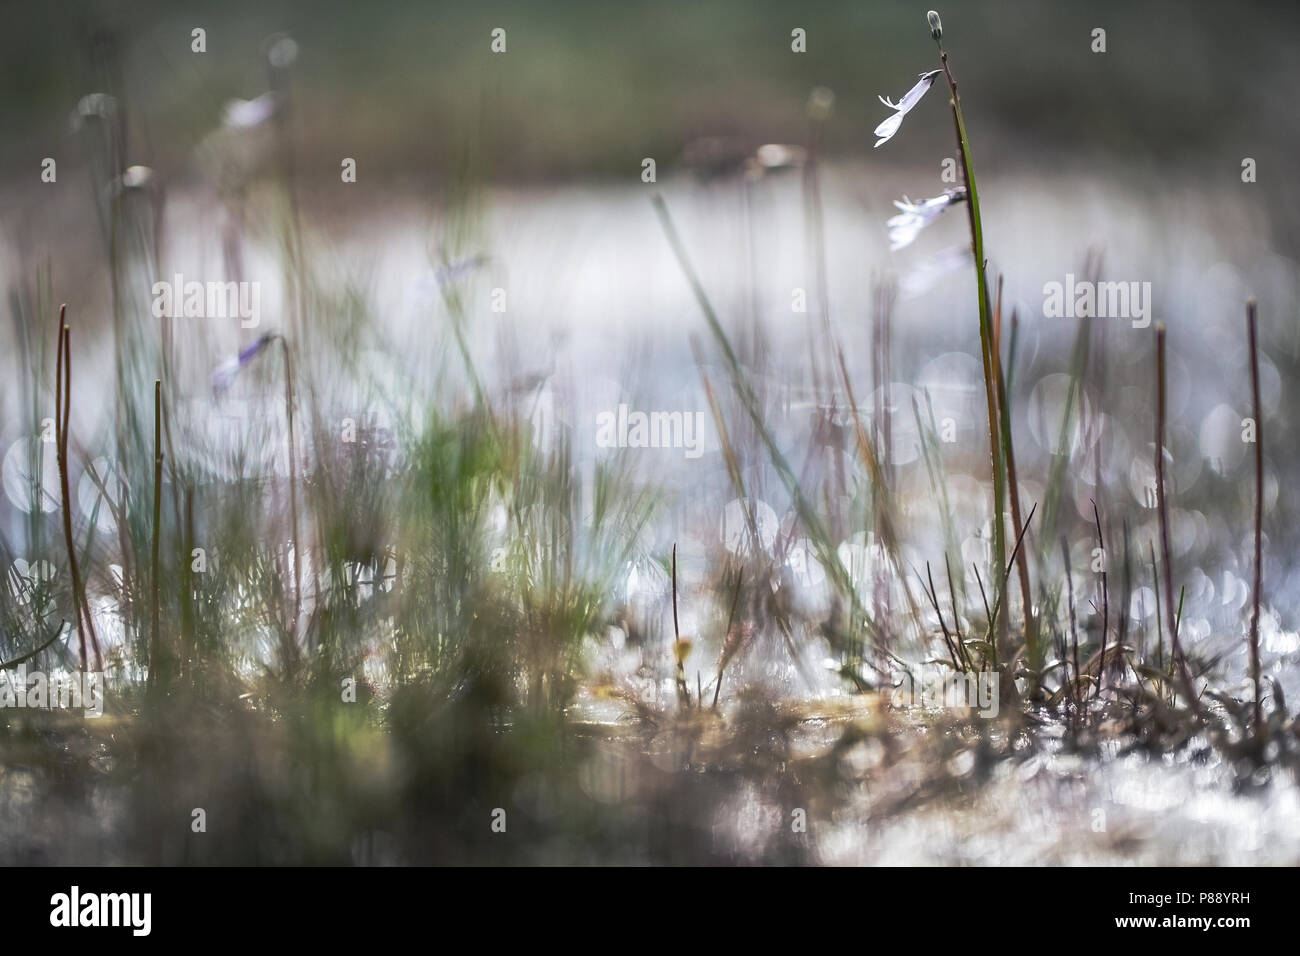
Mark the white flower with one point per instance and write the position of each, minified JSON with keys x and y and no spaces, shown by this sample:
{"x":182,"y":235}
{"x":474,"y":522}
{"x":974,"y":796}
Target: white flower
{"x":771,"y":157}
{"x":242,"y":114}
{"x":914,"y":216}
{"x":136,"y":177}
{"x":889,"y":127}
{"x":779,"y":156}
{"x":97,"y":105}
{"x":132,"y":178}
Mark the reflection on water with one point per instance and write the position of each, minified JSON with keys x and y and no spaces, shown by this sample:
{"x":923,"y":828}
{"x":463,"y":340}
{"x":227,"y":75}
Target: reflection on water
{"x":597,"y":316}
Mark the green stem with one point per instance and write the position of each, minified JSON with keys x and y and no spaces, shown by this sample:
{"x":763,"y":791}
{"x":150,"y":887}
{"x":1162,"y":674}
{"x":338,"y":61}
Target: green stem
{"x":155,"y":651}
{"x":293,"y":504}
{"x":986,"y":328}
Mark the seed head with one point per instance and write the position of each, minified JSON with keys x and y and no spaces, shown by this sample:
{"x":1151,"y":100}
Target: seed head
{"x":820,"y":103}
{"x":281,"y":51}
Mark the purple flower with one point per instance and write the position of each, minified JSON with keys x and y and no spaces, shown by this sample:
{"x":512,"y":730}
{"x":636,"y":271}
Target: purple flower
{"x":455,"y":271}
{"x":227,"y":371}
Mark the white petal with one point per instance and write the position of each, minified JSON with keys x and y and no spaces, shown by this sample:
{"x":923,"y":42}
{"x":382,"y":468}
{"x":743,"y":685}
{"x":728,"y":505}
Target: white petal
{"x":244,"y":113}
{"x":888,"y":128}
{"x":913,"y":96}
{"x":915,"y":216}
{"x":900,"y":238}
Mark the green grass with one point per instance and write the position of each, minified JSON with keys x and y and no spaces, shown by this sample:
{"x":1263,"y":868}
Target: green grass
{"x":342,"y":646}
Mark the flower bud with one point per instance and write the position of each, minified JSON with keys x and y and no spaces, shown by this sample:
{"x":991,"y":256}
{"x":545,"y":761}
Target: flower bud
{"x":936,"y":27}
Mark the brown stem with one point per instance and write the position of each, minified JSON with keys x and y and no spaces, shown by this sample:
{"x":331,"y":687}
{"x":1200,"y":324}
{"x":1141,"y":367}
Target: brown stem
{"x":1184,"y":674}
{"x":726,"y":637}
{"x":1259,"y":512}
{"x":1074,"y":630}
{"x":1105,"y":597}
{"x":956,"y":615}
{"x":63,"y":484}
{"x":677,"y":634}
{"x":934,"y":601}
{"x":683,"y":694}
{"x":63,"y":402}
{"x":293,"y":502}
{"x":998,"y":600}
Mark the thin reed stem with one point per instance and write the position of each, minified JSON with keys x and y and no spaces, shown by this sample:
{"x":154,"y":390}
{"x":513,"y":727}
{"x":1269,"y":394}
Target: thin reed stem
{"x":1013,"y":493}
{"x":63,"y":482}
{"x":63,"y":403}
{"x":934,"y":602}
{"x":679,"y":655}
{"x":293,"y":495}
{"x":998,"y":599}
{"x":1180,"y":659}
{"x":155,"y":650}
{"x":727,"y":637}
{"x":986,"y":323}
{"x":1105,"y":595}
{"x":956,"y":614}
{"x":1074,"y":630}
{"x":1259,"y":512}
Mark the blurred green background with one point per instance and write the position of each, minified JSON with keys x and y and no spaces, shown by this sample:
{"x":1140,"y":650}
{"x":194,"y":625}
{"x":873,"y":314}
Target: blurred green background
{"x":588,"y":88}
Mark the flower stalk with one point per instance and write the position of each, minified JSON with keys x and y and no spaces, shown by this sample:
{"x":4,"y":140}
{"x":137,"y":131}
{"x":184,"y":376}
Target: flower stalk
{"x":987,"y":343}
{"x":155,"y":636}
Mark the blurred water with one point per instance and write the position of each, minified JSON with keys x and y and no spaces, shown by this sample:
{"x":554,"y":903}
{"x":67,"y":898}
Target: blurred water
{"x":598,"y":315}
